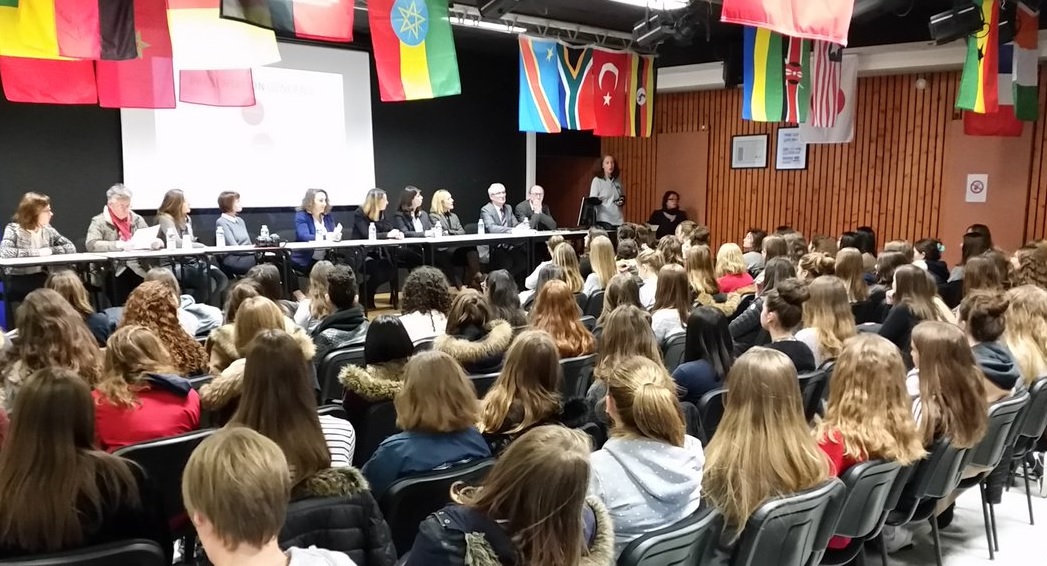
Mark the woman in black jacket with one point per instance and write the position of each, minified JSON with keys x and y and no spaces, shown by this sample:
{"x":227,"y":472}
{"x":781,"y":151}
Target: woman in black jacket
{"x":377,"y":265}
{"x":669,"y":216}
{"x":746,"y":331}
{"x":913,"y":302}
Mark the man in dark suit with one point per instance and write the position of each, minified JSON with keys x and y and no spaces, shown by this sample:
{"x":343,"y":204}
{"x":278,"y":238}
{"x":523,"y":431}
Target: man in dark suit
{"x":533,"y":212}
{"x":498,"y":218}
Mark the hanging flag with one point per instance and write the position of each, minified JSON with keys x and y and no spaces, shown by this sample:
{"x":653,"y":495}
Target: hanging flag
{"x":826,"y":68}
{"x":610,"y":95}
{"x":201,"y":40}
{"x":775,"y":85}
{"x":413,"y":49}
{"x":230,"y":87}
{"x":1002,"y":122}
{"x":96,"y":29}
{"x":576,"y":87}
{"x":329,"y":20}
{"x":979,"y":86}
{"x":539,"y":85}
{"x":12,"y":42}
{"x":641,"y":95}
{"x":148,"y":81}
{"x":842,"y":130}
{"x":48,"y":81}
{"x":797,"y":79}
{"x":1025,"y":67}
{"x":826,"y":20}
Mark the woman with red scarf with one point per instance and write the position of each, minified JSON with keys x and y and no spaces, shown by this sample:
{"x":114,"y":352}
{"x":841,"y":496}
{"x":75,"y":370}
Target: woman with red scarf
{"x":111,"y":231}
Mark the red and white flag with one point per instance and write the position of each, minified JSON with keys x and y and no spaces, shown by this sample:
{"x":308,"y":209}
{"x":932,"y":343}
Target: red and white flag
{"x":826,"y":73}
{"x":842,"y":130}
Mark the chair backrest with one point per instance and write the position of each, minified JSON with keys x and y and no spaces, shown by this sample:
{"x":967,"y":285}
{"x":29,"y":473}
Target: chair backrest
{"x":377,"y":423}
{"x":690,"y":541}
{"x":589,"y":322}
{"x":673,"y":350}
{"x":331,"y":366}
{"x":869,"y":486}
{"x":938,"y":474}
{"x":594,"y":306}
{"x":483,"y":382}
{"x":164,"y":461}
{"x":134,"y":552}
{"x":582,"y":300}
{"x":812,"y":387}
{"x":410,"y":500}
{"x":743,"y":305}
{"x":333,"y":410}
{"x":577,"y":375}
{"x":1036,"y":413}
{"x":792,"y":530}
{"x":423,"y":345}
{"x":710,"y":409}
{"x":596,"y":433}
{"x":1002,"y":415}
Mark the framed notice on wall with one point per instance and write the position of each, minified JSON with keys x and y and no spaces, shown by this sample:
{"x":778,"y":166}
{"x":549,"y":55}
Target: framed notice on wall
{"x":791,"y":151}
{"x":749,"y":152}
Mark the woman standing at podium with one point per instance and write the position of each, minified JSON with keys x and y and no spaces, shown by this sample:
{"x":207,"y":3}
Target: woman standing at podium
{"x":31,"y":235}
{"x":607,"y":187}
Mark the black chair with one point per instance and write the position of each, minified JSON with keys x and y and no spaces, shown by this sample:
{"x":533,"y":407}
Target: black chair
{"x":812,"y":387}
{"x":952,"y":292}
{"x":743,"y":305}
{"x":710,"y":409}
{"x":332,"y":364}
{"x":135,"y":552}
{"x":423,"y":345}
{"x":198,"y":381}
{"x":1030,"y":431}
{"x":588,"y":322}
{"x":408,"y":501}
{"x":596,"y":433}
{"x":582,"y":300}
{"x":869,"y":485}
{"x":376,"y":423}
{"x":594,"y":306}
{"x":988,"y":454}
{"x":690,"y":541}
{"x":483,"y":382}
{"x":673,"y":350}
{"x":333,"y":411}
{"x":792,"y":530}
{"x":577,"y":375}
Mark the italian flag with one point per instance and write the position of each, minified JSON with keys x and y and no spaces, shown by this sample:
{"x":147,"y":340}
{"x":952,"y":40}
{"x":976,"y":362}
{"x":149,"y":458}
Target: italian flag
{"x":413,"y":49}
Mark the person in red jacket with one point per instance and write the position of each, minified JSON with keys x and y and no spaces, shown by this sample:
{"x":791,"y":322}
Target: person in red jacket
{"x":140,"y":397}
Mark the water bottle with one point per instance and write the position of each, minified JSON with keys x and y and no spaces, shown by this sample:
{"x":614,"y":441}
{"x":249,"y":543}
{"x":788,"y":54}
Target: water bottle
{"x":263,"y":234}
{"x":187,"y":240}
{"x":219,"y":237}
{"x":480,"y":229}
{"x":438,"y":230}
{"x":172,"y":234}
{"x":372,"y":232}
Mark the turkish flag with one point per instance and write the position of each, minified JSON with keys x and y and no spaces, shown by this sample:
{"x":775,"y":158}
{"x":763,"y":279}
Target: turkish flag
{"x":610,"y":92}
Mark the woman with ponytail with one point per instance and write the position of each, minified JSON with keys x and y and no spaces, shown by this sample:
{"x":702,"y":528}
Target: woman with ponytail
{"x":649,"y":474}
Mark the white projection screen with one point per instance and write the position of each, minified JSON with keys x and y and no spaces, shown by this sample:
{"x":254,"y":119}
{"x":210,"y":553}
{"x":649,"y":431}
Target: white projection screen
{"x":311,"y":127}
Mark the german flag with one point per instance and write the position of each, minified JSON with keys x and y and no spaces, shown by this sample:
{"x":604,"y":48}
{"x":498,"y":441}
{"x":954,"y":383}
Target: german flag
{"x":641,"y":93}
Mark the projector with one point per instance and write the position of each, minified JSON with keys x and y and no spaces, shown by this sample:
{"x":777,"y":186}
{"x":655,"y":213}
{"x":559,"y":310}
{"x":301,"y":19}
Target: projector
{"x":957,"y":23}
{"x":653,"y":30}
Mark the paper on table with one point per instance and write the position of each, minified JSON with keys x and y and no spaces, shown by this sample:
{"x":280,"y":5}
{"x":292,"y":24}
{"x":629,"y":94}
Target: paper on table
{"x":143,"y":238}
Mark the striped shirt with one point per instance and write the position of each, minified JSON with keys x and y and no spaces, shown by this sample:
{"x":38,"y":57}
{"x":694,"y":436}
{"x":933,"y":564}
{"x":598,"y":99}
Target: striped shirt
{"x":341,"y":440}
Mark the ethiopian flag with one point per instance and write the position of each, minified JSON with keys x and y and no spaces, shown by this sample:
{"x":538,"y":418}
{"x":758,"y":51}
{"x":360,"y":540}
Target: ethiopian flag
{"x":413,"y":49}
{"x":979,"y":85}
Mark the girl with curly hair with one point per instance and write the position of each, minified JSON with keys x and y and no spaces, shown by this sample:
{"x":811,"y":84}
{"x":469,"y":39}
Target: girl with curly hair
{"x":154,"y":306}
{"x":1030,"y":266}
{"x":426,"y":300}
{"x":1025,"y":325}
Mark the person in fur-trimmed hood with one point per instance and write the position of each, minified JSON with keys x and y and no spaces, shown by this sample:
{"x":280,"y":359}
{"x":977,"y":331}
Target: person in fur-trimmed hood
{"x":506,"y":523}
{"x":473,"y":336}
{"x":387,"y":348}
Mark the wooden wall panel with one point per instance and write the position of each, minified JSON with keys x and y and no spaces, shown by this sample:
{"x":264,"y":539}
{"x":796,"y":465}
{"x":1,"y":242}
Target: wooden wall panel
{"x":1036,"y":211}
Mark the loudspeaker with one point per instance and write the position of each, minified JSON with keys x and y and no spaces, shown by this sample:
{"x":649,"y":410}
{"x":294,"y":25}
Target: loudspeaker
{"x":956,"y":23}
{"x":733,"y":67}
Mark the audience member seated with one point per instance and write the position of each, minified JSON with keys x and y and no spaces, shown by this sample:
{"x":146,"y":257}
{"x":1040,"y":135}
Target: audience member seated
{"x":707,"y":355}
{"x":814,"y":265}
{"x":236,"y":487}
{"x":669,"y":216}
{"x":783,"y":312}
{"x":111,"y":231}
{"x":752,"y":246}
{"x":527,"y":393}
{"x":886,"y":264}
{"x":648,"y":265}
{"x":534,"y":212}
{"x":826,"y":245}
{"x":671,"y":250}
{"x":980,"y":273}
{"x":626,"y":254}
{"x":347,"y":325}
{"x":762,"y":447}
{"x":1025,"y":325}
{"x":649,"y":473}
{"x":426,"y":300}
{"x":268,"y":277}
{"x":731,"y":274}
{"x":196,"y":319}
{"x":59,"y":492}
{"x":550,"y":272}
{"x":974,"y":244}
{"x":912,"y":301}
{"x":927,"y":254}
{"x":31,"y":235}
{"x":602,"y":265}
{"x":865,"y":306}
{"x":313,"y":222}
{"x":50,"y":334}
{"x":316,"y":305}
{"x":627,"y":335}
{"x":584,"y":262}
{"x":827,"y":319}
{"x":773,"y":246}
{"x":622,"y":290}
{"x":1030,"y":266}
{"x":981,"y":317}
{"x":556,"y":312}
{"x":796,"y":244}
{"x":702,"y":277}
{"x":465,"y":258}
{"x":684,"y":231}
{"x":386,"y":350}
{"x":242,"y":290}
{"x":437,"y":410}
{"x":531,"y":509}
{"x":474,"y":337}
{"x":498,"y":218}
{"x":278,"y":400}
{"x":140,"y":396}
{"x":551,"y":244}
{"x":746,"y":328}
{"x":566,"y":258}
{"x":67,"y":283}
{"x":504,"y":298}
{"x":672,"y":303}
{"x":234,"y":233}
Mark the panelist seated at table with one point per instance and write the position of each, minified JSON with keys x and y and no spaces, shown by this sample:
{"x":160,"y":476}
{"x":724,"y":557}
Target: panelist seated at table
{"x":498,"y":218}
{"x":234,"y":233}
{"x":113,"y":230}
{"x":31,"y":235}
{"x":441,"y":212}
{"x":378,"y":267}
{"x":410,"y":218}
{"x":534,"y":212}
{"x":313,"y":222}
{"x":172,"y":218}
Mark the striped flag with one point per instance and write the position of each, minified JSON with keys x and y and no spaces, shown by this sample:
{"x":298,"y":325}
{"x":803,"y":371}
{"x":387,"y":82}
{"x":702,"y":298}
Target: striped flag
{"x":1025,"y":67}
{"x":979,"y":85}
{"x":826,"y":71}
{"x":776,"y":83}
{"x":641,"y":95}
{"x":576,"y":87}
{"x":827,"y":20}
{"x":321,"y":20}
{"x":413,"y":49}
{"x":539,"y":85}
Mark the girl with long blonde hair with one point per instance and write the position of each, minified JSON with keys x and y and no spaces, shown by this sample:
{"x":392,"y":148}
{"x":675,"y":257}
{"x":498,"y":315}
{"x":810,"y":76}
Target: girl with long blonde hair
{"x":949,"y":392}
{"x":565,"y":257}
{"x":67,"y":283}
{"x":1025,"y":329}
{"x":601,"y":258}
{"x":556,"y":312}
{"x":622,"y":290}
{"x":627,"y":334}
{"x":731,"y":274}
{"x":827,"y":318}
{"x":648,"y":441}
{"x":316,"y":305}
{"x":763,"y":447}
{"x":700,"y":271}
{"x":850,"y":268}
{"x":913,"y":302}
{"x":672,"y":302}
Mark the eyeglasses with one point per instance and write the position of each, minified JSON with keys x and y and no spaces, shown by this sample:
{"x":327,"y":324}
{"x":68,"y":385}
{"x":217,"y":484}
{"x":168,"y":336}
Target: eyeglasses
{"x":497,"y":193}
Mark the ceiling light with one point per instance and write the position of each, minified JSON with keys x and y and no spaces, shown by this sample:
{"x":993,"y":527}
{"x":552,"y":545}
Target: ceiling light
{"x":656,"y":4}
{"x":503,"y":27}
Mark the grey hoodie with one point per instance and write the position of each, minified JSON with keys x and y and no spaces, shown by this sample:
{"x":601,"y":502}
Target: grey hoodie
{"x":313,"y":556}
{"x":646,"y":484}
{"x":997,"y":363}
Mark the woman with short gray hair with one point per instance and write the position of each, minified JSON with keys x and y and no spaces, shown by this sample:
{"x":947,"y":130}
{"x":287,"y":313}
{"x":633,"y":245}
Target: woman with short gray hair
{"x":111,"y":231}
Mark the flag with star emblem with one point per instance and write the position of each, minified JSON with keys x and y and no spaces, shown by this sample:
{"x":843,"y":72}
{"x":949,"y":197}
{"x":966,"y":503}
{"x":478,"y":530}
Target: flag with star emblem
{"x":610,"y":92}
{"x":979,"y":84}
{"x":576,"y":87}
{"x":641,"y":95}
{"x":80,"y":29}
{"x":413,"y":49}
{"x":539,"y":85}
{"x":776,"y":85}
{"x":330,"y":20}
{"x":148,"y":81}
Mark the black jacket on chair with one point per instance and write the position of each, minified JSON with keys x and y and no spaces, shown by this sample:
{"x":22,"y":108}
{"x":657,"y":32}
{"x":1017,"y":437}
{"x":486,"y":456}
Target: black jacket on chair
{"x":334,"y":509}
{"x":404,"y":222}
